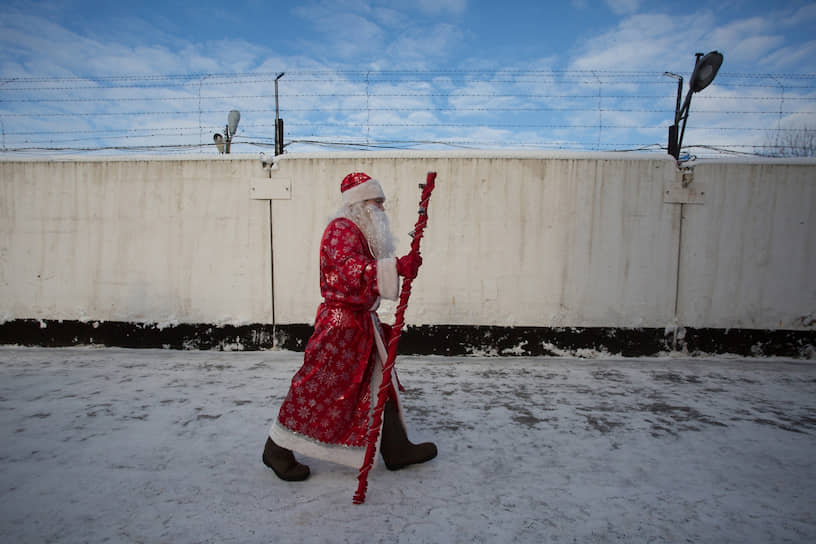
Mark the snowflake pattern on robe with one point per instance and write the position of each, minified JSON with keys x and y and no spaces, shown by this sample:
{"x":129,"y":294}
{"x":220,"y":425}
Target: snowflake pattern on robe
{"x":329,"y":398}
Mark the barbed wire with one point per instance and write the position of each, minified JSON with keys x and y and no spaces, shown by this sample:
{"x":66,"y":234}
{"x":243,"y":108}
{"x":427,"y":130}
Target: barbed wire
{"x":401,"y":144}
{"x":542,"y":109}
{"x":387,"y":95}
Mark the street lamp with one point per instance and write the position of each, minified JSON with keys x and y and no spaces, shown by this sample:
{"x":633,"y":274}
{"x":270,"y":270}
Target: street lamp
{"x":219,"y":142}
{"x":705,"y":70}
{"x":278,"y":121}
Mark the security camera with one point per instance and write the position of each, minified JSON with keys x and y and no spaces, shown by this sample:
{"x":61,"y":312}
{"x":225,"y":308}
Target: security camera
{"x":219,"y":142}
{"x":267,"y":161}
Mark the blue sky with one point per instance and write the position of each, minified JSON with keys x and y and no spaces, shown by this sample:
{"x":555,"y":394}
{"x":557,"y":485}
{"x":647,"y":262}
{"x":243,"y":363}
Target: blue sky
{"x":471,"y":73}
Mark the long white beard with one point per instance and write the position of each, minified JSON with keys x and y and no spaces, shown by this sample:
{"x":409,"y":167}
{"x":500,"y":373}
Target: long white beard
{"x":374,"y":224}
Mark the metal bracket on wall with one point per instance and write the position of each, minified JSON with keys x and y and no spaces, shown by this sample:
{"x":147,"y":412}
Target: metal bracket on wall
{"x":273,"y":188}
{"x":682,"y":190}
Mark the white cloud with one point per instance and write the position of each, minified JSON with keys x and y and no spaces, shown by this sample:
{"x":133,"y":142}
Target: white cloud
{"x":435,"y":7}
{"x":647,"y":41}
{"x":792,"y":56}
{"x":371,"y":35}
{"x":745,"y":40}
{"x":422,"y":44}
{"x":537,"y":105}
{"x":621,"y":7}
{"x":43,"y":47}
{"x":345,"y":34}
{"x":390,"y":18}
{"x":668,"y":42}
{"x":804,"y":14}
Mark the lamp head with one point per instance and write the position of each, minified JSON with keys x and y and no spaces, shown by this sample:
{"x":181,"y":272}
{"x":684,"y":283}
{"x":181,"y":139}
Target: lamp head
{"x":233,"y":118}
{"x":705,"y":71}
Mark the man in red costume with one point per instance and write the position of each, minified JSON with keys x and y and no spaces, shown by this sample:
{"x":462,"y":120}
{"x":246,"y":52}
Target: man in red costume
{"x":328,"y":409}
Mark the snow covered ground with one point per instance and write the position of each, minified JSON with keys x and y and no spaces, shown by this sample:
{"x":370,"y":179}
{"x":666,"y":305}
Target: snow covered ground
{"x":164,"y":446}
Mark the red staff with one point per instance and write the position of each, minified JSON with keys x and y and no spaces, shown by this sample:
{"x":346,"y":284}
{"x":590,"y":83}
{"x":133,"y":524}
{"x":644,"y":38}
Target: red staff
{"x":396,"y":332}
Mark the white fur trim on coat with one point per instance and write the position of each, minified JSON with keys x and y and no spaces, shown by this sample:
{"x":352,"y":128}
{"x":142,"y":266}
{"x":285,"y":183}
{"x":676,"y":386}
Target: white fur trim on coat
{"x":387,"y":278}
{"x":368,"y":190}
{"x":335,"y":453}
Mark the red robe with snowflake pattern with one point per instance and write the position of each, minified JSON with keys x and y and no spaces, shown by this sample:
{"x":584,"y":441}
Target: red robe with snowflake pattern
{"x":326,"y":412}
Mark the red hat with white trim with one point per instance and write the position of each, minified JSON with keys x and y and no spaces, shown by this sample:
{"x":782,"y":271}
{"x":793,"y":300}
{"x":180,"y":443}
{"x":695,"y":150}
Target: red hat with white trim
{"x":358,"y":186}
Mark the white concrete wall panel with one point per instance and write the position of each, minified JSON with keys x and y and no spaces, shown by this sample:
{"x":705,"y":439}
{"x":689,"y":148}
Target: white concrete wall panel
{"x":749,"y":252}
{"x":143,"y":241}
{"x":558,"y":242}
{"x":513,"y":239}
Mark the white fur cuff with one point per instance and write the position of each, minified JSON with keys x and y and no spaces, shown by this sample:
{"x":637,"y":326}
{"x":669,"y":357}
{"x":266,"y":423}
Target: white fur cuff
{"x":387,"y":278}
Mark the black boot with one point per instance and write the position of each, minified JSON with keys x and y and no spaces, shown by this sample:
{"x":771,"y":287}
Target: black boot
{"x":397,"y":451}
{"x":283,"y":462}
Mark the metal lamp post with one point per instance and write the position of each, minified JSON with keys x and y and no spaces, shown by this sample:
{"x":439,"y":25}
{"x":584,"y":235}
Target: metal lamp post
{"x":278,"y":121}
{"x":705,"y":70}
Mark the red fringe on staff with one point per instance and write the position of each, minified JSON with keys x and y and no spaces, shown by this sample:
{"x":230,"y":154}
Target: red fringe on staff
{"x":396,"y":332}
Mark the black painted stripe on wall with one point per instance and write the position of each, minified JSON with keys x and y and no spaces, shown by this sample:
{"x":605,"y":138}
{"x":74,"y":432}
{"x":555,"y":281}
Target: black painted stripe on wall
{"x":448,"y":340}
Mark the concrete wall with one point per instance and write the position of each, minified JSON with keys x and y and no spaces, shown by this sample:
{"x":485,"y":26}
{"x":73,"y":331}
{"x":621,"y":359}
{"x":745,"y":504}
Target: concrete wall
{"x":539,"y":240}
{"x":144,"y":241}
{"x":748,"y":257}
{"x":558,"y":242}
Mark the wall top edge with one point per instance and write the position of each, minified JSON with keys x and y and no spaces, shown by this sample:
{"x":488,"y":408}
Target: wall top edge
{"x":418,"y":154}
{"x":757,"y":160}
{"x":480,"y":154}
{"x":385,"y":154}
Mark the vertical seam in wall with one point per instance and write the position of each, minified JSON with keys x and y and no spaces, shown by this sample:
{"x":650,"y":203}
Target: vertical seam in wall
{"x":677,"y":275}
{"x":272,"y":269}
